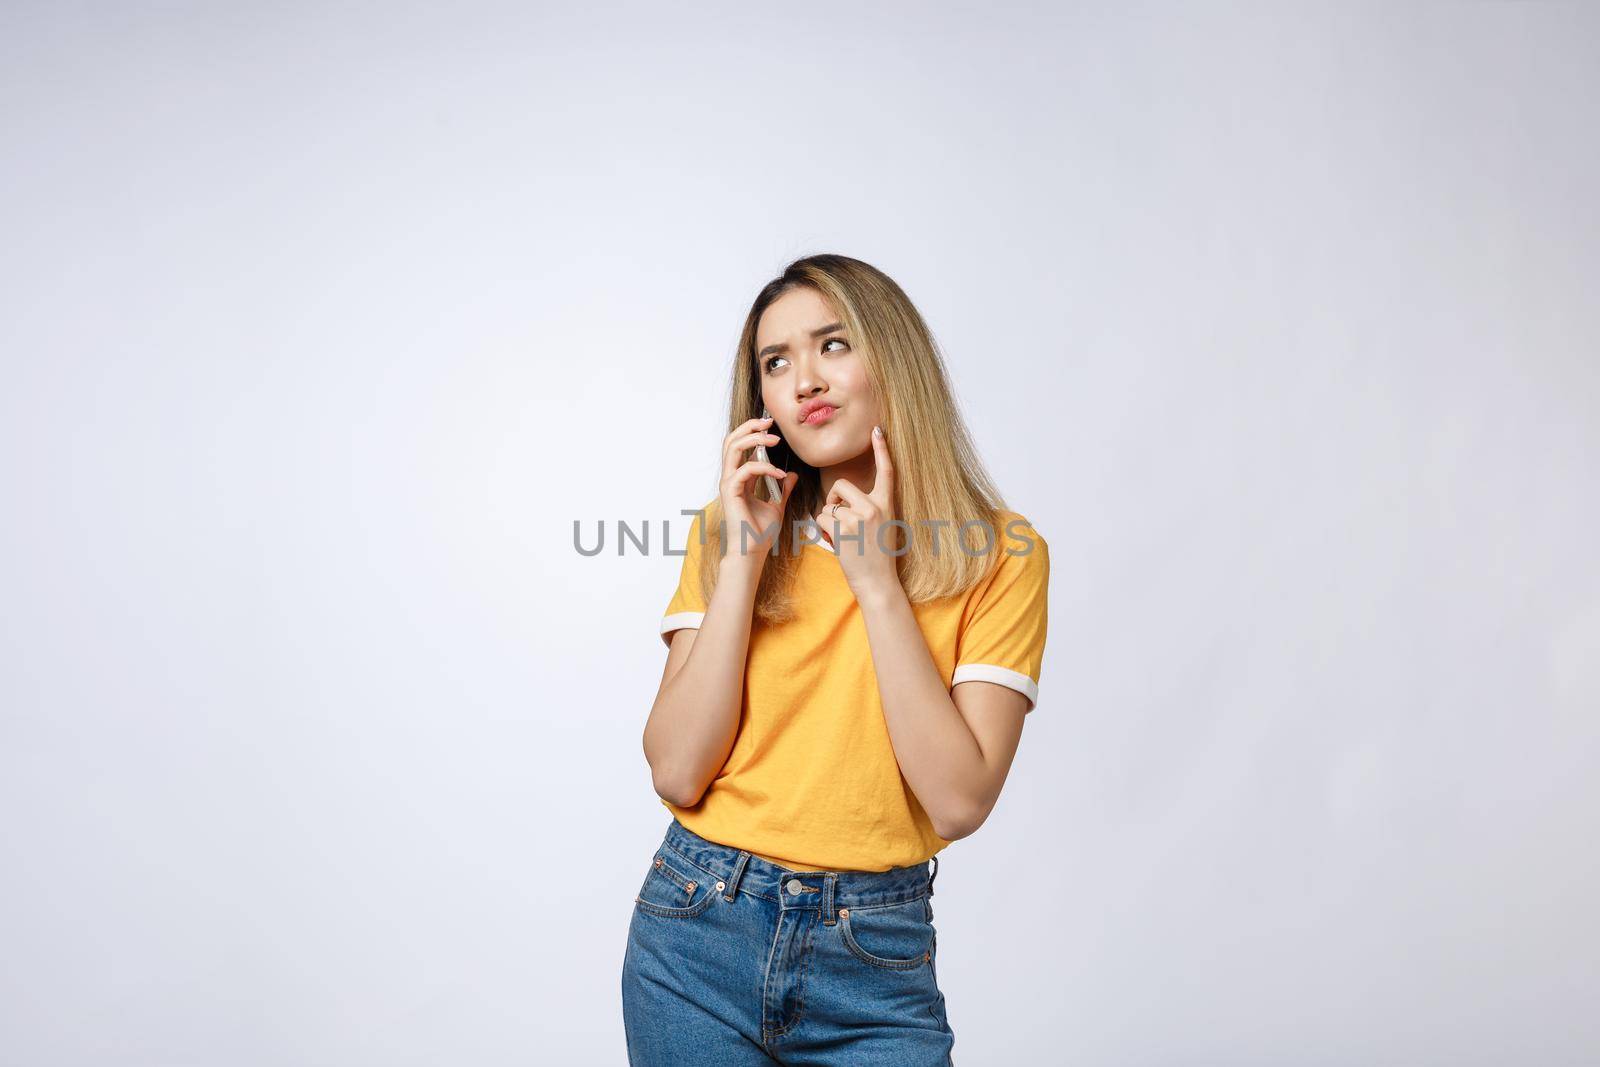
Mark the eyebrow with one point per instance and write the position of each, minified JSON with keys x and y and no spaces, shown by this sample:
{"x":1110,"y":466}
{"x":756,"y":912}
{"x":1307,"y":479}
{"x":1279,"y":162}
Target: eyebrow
{"x":784,"y":347}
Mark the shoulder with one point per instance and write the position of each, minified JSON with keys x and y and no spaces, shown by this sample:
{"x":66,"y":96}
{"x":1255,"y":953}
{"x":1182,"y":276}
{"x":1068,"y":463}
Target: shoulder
{"x":703,"y":516}
{"x":1024,"y":562}
{"x":1019,"y":555}
{"x":1016,"y":536}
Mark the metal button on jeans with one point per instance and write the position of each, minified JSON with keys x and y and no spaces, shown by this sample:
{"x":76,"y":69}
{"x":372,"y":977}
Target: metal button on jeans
{"x":795,"y":887}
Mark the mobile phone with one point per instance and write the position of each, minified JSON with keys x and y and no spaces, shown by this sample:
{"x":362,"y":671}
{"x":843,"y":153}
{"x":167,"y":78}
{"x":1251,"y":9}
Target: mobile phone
{"x":774,"y":487}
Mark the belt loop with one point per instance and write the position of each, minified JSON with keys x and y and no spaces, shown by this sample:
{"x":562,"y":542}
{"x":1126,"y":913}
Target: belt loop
{"x":738,"y":872}
{"x":934,"y":875}
{"x":827,"y":899}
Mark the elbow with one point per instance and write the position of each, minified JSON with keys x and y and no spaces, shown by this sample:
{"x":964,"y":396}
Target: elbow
{"x":956,"y":825}
{"x":954,"y":832}
{"x":668,"y":783}
{"x":677,"y":793}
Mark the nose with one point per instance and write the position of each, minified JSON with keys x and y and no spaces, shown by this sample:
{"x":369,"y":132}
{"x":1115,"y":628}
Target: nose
{"x":808,"y":380}
{"x":807,"y":385}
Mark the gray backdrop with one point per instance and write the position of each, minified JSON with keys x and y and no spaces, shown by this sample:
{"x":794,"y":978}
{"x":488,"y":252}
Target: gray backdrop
{"x":323,"y":323}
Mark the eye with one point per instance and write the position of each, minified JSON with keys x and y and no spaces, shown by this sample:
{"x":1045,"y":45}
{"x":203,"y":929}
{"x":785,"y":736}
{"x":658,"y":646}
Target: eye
{"x":767,"y":365}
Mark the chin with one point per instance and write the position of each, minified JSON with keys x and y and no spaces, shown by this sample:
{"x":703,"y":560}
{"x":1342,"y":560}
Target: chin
{"x":827,"y":453}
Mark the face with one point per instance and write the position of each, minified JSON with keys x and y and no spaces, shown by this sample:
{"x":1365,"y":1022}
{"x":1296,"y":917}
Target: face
{"x":801,"y":363}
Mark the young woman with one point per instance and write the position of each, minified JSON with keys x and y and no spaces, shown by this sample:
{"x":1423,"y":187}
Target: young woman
{"x":849,"y":668}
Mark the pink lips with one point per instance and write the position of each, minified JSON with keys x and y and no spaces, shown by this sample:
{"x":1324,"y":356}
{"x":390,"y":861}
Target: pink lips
{"x":819,"y":416}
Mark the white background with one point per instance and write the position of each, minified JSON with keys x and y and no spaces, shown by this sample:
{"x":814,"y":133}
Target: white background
{"x":323,"y":323}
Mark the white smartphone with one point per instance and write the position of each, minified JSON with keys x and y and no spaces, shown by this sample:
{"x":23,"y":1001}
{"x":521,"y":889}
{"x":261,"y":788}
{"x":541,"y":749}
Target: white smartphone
{"x":774,"y":487}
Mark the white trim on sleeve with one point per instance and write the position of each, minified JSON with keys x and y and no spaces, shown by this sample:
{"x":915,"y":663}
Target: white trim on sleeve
{"x":683,"y":620}
{"x":988,"y":672}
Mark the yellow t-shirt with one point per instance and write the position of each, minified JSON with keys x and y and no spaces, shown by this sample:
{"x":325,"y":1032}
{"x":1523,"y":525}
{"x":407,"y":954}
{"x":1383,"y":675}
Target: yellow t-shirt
{"x":811,"y":782}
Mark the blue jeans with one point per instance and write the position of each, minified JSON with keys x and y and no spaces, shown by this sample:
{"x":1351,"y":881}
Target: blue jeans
{"x":732,"y":960}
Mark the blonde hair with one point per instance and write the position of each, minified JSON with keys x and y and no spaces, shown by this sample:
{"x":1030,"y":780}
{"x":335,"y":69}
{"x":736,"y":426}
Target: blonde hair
{"x":938,"y":475}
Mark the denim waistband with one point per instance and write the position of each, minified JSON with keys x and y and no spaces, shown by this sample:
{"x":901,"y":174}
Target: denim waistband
{"x":737,"y":869}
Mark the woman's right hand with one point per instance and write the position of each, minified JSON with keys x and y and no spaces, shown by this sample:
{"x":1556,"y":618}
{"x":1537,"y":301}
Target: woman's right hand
{"x":738,"y":495}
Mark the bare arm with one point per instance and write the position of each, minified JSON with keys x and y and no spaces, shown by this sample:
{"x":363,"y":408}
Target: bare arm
{"x":954,"y":747}
{"x":695,"y":717}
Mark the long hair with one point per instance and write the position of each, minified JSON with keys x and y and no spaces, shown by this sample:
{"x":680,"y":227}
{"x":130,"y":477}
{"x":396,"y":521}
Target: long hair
{"x":938,"y":475}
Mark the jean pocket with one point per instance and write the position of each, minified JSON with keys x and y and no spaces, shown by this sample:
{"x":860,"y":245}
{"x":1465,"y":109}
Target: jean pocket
{"x":896,"y":937}
{"x":670,"y":892}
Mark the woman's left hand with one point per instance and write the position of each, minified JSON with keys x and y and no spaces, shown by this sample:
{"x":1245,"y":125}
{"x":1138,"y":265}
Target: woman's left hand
{"x":867,"y":557}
